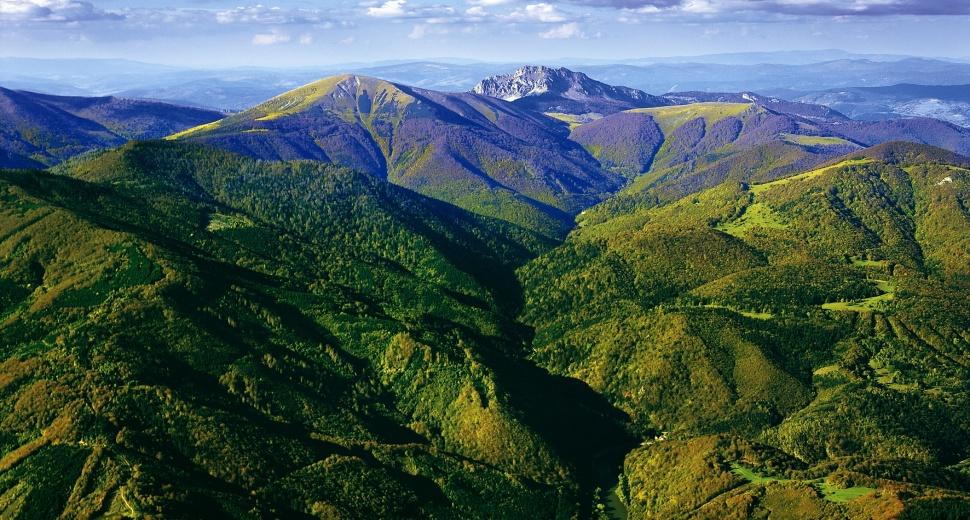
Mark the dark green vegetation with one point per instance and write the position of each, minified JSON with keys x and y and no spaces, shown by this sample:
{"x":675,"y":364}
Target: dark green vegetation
{"x":479,"y":153}
{"x":189,"y":333}
{"x":801,"y":342}
{"x":40,"y":130}
{"x":757,"y":325}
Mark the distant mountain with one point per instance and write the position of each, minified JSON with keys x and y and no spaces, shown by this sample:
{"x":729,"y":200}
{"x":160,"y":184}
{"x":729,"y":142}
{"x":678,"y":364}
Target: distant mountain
{"x":778,"y":79}
{"x":946,"y":102}
{"x":41,"y":129}
{"x":480,"y":153}
{"x":242,"y":87}
{"x":806,"y":57}
{"x":922,"y":130}
{"x":776,"y":104}
{"x":561,"y":90}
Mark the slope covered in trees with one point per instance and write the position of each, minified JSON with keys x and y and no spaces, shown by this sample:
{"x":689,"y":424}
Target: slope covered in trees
{"x":802,"y":342}
{"x":190,"y":333}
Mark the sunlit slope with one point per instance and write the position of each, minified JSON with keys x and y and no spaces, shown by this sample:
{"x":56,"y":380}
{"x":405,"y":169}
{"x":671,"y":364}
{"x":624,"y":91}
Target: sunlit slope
{"x":480,"y":153}
{"x":791,"y":320}
{"x":190,"y":333}
{"x":673,"y":151}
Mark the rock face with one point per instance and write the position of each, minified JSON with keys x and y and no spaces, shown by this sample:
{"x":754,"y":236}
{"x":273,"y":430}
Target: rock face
{"x":562,"y":90}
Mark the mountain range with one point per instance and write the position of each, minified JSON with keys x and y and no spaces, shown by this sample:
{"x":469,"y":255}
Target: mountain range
{"x":535,"y":159}
{"x":41,"y":129}
{"x":508,"y":160}
{"x":477,"y":152}
{"x":949,"y":103}
{"x":363,"y":299}
{"x":776,"y":74}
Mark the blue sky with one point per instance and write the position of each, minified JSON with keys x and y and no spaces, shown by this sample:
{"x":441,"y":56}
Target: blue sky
{"x":292,"y":33}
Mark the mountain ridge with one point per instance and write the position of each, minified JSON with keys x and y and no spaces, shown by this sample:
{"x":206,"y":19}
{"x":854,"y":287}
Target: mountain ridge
{"x":43,"y":129}
{"x":474,"y":151}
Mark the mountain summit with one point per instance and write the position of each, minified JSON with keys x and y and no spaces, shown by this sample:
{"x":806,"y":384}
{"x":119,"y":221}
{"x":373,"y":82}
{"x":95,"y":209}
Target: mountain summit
{"x":482,"y":154}
{"x":562,"y":90}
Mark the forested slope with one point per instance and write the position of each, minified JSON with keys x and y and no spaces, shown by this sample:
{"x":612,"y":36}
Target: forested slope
{"x":792,"y":338}
{"x":189,"y":333}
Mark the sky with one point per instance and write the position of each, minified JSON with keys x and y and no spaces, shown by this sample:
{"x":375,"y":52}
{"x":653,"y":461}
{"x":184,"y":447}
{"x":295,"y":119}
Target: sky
{"x":291,"y":33}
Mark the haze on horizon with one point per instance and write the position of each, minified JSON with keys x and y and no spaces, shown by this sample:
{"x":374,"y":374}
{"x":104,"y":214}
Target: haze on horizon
{"x":218,"y":33}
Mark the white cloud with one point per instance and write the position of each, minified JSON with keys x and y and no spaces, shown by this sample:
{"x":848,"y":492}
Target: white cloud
{"x":53,"y":11}
{"x":488,"y":2}
{"x":541,"y":12}
{"x":389,"y":9}
{"x":260,"y":14}
{"x":270,"y":38}
{"x":306,"y":39}
{"x":564,"y":31}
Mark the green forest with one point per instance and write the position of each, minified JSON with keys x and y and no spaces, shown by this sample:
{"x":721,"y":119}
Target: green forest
{"x":188,"y":332}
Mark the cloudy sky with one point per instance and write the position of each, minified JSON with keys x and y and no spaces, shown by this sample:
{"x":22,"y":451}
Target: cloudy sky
{"x":292,"y":33}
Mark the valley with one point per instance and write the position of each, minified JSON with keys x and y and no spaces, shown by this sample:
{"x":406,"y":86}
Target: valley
{"x":364,"y":299}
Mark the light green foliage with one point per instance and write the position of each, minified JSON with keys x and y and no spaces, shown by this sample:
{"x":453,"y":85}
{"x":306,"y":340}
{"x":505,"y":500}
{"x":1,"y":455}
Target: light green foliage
{"x":760,"y":188}
{"x":221,"y":222}
{"x":190,"y":333}
{"x":757,"y":215}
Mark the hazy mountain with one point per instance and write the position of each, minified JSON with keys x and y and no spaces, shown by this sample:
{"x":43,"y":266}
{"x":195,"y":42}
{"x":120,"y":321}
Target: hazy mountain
{"x":806,"y":109}
{"x":41,"y":129}
{"x":778,"y":78}
{"x":544,"y":89}
{"x":239,"y":88}
{"x":916,"y":129}
{"x":480,"y":153}
{"x":946,"y":102}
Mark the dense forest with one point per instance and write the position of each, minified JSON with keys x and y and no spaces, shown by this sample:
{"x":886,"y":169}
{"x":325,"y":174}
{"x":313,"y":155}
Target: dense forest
{"x":796,"y":347}
{"x":446,"y":306}
{"x":187,"y":332}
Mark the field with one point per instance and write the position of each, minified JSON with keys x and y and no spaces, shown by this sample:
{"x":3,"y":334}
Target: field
{"x":829,"y":491}
{"x":670,"y":118}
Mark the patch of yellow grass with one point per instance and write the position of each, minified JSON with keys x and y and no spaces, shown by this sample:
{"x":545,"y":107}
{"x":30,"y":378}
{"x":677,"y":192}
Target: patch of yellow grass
{"x":194,"y":130}
{"x":672,"y":117}
{"x":757,"y":215}
{"x":814,"y":140}
{"x":759,"y":188}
